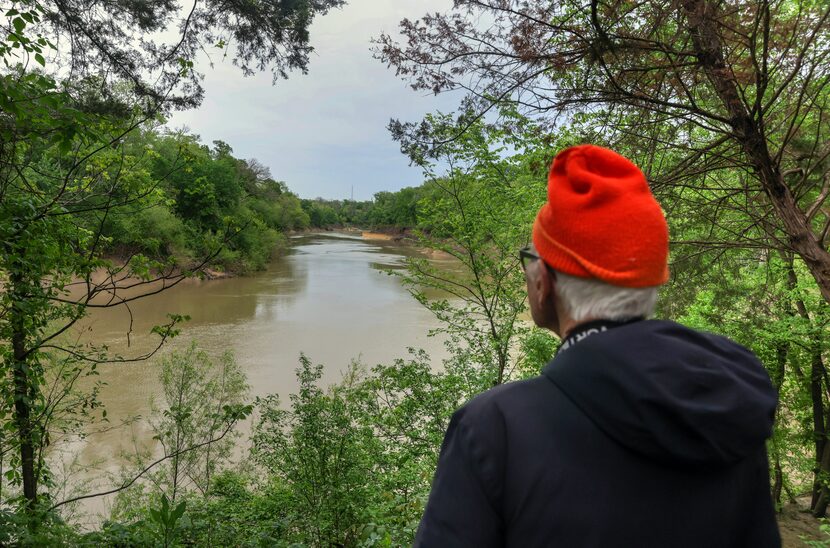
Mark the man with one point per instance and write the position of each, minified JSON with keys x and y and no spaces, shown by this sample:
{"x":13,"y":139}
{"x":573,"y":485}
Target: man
{"x":639,"y":433}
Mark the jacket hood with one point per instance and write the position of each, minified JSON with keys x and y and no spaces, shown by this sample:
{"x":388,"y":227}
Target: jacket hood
{"x":670,"y":393}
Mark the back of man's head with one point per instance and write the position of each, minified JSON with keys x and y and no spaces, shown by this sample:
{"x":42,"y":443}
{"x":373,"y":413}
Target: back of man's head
{"x":586,"y":298}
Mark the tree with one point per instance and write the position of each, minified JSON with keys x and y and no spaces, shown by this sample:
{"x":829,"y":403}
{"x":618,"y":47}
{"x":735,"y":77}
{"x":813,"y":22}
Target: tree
{"x":408,"y":408}
{"x":398,"y":209}
{"x":65,"y":169}
{"x":323,"y":454}
{"x":693,"y":89}
{"x":320,"y":213}
{"x":480,"y":212}
{"x":108,"y":41}
{"x":202,"y":401}
{"x":62,"y":172}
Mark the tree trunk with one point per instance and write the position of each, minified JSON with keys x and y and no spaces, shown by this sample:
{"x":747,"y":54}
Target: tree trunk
{"x":821,"y":493}
{"x":821,"y":481}
{"x":781,"y":351}
{"x":22,"y":393}
{"x":819,"y":434}
{"x":703,"y":28}
{"x":778,"y":482}
{"x":818,"y":385}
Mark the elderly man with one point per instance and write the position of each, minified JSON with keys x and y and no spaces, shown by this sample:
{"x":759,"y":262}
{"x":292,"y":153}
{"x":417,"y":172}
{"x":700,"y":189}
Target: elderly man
{"x":639,"y":433}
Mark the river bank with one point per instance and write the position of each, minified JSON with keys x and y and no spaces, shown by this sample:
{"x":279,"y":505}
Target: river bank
{"x":214,"y":272}
{"x":394,"y":234}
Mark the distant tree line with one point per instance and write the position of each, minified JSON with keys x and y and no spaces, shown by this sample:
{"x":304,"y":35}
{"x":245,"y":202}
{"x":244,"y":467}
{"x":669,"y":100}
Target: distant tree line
{"x":397,"y":210}
{"x":388,"y":209}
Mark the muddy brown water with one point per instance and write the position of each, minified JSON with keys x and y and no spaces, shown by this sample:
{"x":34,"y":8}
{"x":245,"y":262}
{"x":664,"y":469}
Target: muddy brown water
{"x":327,"y":296}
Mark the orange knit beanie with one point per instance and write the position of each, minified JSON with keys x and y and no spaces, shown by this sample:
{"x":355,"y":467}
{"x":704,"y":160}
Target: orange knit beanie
{"x":601,"y":220}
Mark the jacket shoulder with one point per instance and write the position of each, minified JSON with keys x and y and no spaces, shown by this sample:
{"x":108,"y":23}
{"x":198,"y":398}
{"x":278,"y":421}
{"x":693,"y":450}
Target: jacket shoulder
{"x":502,"y":397}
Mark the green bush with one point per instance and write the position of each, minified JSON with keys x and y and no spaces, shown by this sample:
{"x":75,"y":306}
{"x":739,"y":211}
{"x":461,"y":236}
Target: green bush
{"x":155,"y":231}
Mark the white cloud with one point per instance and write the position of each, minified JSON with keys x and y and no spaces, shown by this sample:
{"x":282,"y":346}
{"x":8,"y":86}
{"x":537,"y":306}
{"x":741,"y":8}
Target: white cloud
{"x":325,"y":131}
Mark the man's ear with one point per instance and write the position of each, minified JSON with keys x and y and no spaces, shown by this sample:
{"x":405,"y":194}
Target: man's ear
{"x":547,"y":302}
{"x":545,"y":283}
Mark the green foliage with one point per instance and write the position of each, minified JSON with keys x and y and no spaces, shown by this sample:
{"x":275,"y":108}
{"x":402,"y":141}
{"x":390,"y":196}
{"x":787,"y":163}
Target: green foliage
{"x":824,"y":541}
{"x":323,"y":455}
{"x":479,"y":211}
{"x":118,"y":534}
{"x":321,"y":214}
{"x":237,"y":513}
{"x":350,"y":465}
{"x":153,"y":230}
{"x":202,"y":401}
{"x":61,"y":171}
{"x":537,"y":348}
{"x":409,"y":410}
{"x":353,"y":464}
{"x":197,"y":203}
{"x":398,"y":209}
{"x":211,"y":200}
{"x":165,"y":521}
{"x":282,"y":213}
{"x":34,"y":529}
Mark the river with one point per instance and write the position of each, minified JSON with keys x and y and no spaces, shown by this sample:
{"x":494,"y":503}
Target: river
{"x":328,"y":296}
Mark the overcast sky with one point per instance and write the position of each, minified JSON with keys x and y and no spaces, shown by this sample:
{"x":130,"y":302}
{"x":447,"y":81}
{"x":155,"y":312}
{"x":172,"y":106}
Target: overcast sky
{"x":324,"y":132}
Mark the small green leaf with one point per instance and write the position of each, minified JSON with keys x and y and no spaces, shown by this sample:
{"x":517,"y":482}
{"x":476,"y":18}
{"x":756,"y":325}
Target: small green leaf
{"x":178,"y":511}
{"x":19,"y":24}
{"x":39,"y":58}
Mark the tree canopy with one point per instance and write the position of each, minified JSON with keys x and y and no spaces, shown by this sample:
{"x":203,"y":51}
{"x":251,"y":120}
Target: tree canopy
{"x":152,"y":47}
{"x":725,"y":100}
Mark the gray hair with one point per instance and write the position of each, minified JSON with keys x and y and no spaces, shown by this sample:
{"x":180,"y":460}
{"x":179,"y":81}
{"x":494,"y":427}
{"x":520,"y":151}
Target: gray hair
{"x":585,"y":298}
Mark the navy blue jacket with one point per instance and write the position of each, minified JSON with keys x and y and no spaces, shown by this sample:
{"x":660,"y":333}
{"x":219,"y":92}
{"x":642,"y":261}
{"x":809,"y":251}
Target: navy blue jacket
{"x":647,"y":434}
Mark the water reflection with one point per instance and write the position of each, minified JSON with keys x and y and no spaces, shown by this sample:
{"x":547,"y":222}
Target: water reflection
{"x":207,"y":302}
{"x":327,"y":297}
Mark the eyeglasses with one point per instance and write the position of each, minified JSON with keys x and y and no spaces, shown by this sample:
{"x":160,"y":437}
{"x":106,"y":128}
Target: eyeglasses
{"x":526,"y":255}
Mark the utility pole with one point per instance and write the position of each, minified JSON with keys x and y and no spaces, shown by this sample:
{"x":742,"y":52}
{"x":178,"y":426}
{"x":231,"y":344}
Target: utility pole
{"x":353,"y":193}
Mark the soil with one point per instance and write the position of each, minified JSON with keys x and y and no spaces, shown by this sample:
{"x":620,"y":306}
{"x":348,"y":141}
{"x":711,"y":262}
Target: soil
{"x":211,"y":274}
{"x":797,"y":525}
{"x":376,"y":236}
{"x":393,"y":233}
